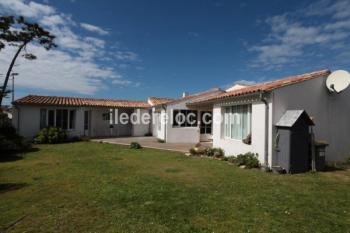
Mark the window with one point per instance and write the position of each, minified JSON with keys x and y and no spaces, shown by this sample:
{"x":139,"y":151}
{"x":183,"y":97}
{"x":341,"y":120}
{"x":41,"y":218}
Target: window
{"x":61,"y":118}
{"x":42,"y":118}
{"x":51,"y":120}
{"x":71,"y":119}
{"x":185,"y":118}
{"x":106,"y":116}
{"x":237,"y":121}
{"x":86,"y":120}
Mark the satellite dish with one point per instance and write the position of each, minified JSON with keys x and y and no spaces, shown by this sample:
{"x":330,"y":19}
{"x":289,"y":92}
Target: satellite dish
{"x":338,"y":81}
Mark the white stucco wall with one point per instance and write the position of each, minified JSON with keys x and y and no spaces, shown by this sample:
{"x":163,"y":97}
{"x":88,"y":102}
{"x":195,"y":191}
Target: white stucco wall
{"x":331,"y":113}
{"x":141,"y":129}
{"x":26,"y":119}
{"x":180,"y":134}
{"x":158,"y":119}
{"x":233,"y":147}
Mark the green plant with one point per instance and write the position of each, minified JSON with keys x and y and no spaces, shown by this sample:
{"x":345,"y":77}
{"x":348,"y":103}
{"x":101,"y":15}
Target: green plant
{"x":231,"y":159}
{"x":10,"y":141}
{"x":135,"y":145}
{"x":193,"y":151}
{"x":160,"y":140}
{"x":51,"y":135}
{"x":218,"y":153}
{"x":250,"y":160}
{"x":209,"y":152}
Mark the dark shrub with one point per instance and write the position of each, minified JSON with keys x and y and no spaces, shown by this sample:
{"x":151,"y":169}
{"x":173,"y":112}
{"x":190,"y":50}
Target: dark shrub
{"x":135,"y":145}
{"x":51,"y":136}
{"x":250,"y":160}
{"x":231,"y":159}
{"x":193,"y":152}
{"x":160,"y":140}
{"x":218,"y":153}
{"x":10,"y":141}
{"x":209,"y":152}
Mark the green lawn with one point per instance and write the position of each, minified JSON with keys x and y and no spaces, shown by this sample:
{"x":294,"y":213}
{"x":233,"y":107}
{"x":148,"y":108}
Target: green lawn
{"x":93,"y":187}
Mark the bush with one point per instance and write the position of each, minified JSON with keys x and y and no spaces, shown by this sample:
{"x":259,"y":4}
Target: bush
{"x":209,"y":152}
{"x":135,"y":145}
{"x":193,"y":152}
{"x":51,"y":136}
{"x":231,"y":159}
{"x":160,"y":140}
{"x":250,"y":160}
{"x":218,"y":152}
{"x":214,"y":152}
{"x":10,"y":141}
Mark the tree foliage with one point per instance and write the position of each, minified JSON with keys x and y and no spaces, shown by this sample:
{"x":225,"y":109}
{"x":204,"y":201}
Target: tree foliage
{"x":16,"y":31}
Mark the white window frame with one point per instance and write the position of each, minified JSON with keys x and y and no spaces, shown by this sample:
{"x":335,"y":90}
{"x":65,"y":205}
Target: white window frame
{"x":68,"y":118}
{"x":233,"y":115}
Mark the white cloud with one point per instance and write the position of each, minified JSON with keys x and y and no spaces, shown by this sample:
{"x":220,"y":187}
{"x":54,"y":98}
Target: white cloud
{"x":31,"y":9}
{"x":58,"y":71}
{"x":93,"y":28}
{"x":294,"y":33}
{"x":74,"y":65}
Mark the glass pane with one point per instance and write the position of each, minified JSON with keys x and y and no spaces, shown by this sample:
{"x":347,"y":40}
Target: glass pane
{"x":65,"y":119}
{"x":51,"y":122}
{"x":59,"y":118}
{"x":42,"y":118}
{"x":86,"y":120}
{"x":72,"y":119}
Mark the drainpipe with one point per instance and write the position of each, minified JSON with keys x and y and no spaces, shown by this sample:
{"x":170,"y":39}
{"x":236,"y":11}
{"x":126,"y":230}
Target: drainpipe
{"x":266,"y":151}
{"x":165,"y":125}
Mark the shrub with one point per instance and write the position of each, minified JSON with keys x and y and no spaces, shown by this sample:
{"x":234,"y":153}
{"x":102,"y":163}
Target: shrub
{"x":51,"y":136}
{"x":135,"y":145}
{"x":250,"y":160}
{"x":213,"y":152}
{"x":160,"y":140}
{"x":231,"y":159}
{"x":218,"y":152}
{"x":10,"y":141}
{"x":193,"y":151}
{"x":209,"y":152}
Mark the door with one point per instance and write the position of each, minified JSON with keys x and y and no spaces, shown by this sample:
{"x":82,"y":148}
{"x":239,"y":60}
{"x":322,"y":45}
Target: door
{"x":206,"y":126}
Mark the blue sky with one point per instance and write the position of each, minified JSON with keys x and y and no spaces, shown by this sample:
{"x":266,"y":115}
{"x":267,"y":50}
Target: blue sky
{"x":135,"y":49}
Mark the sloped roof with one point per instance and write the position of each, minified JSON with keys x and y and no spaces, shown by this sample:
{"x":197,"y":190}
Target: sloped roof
{"x":290,"y":117}
{"x":267,"y":86}
{"x":199,"y":96}
{"x":79,"y":102}
{"x":157,"y":100}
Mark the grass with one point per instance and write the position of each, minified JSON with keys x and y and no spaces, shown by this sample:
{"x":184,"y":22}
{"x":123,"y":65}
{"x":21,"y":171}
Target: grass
{"x":93,"y":187}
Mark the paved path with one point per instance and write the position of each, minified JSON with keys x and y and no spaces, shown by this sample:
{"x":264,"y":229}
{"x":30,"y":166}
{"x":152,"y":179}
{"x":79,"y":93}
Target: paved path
{"x":150,"y":142}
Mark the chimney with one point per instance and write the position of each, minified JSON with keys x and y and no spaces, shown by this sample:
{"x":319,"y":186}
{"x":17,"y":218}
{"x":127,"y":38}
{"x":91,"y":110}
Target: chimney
{"x":184,"y":94}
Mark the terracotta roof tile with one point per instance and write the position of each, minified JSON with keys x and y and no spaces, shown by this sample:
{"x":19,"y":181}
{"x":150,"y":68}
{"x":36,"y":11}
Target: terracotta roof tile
{"x":157,"y":101}
{"x":267,"y":86}
{"x":200,"y":95}
{"x":81,"y":102}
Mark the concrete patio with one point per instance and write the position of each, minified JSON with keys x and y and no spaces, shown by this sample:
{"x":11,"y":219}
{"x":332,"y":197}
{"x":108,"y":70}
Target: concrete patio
{"x":151,"y":142}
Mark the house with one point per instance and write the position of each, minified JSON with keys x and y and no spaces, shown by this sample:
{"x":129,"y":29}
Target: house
{"x":167,"y":128}
{"x":79,"y":116}
{"x":241,"y":119}
{"x":252,"y":112}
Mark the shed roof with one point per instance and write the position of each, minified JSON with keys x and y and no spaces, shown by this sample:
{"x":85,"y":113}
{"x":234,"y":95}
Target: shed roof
{"x":290,"y":117}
